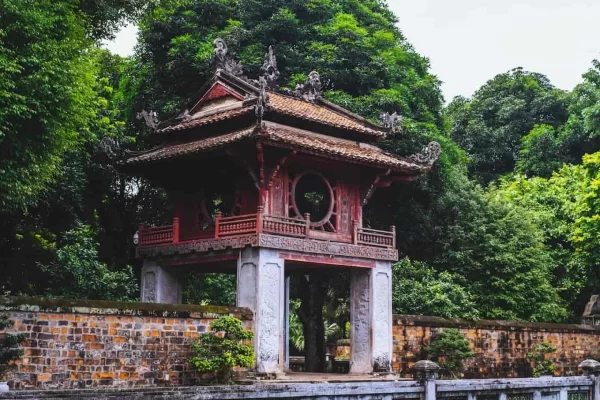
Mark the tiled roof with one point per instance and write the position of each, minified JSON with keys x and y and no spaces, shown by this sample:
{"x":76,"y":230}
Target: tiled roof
{"x":197,"y":146}
{"x":317,"y":113}
{"x":286,"y":105}
{"x":277,"y":135}
{"x":338,"y":149}
{"x":221,"y":116}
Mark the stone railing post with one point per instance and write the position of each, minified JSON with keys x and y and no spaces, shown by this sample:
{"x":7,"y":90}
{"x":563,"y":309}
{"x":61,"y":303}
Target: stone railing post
{"x":426,"y":371}
{"x":591,"y":368}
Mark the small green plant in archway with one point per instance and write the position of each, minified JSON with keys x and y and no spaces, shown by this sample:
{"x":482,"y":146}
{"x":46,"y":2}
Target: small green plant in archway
{"x":223,"y":348}
{"x":541,"y":365}
{"x":449,"y":348}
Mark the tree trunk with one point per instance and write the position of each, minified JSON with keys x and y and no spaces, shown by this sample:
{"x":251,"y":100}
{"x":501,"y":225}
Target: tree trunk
{"x":313,"y":292}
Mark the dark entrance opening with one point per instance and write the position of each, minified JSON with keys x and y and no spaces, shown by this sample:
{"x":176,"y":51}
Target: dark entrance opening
{"x":318,"y":323}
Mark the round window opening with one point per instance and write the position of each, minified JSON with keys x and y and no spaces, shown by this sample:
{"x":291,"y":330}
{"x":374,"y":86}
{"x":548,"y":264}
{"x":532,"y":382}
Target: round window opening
{"x":313,"y":194}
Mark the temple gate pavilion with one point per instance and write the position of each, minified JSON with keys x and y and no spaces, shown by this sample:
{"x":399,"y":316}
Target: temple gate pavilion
{"x":266,"y":181}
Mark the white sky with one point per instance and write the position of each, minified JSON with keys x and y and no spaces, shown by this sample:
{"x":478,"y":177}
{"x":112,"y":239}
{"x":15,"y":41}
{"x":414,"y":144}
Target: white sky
{"x":470,"y":41}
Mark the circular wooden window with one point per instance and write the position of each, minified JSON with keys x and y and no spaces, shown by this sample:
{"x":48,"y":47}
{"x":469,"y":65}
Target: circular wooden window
{"x":311,"y":193}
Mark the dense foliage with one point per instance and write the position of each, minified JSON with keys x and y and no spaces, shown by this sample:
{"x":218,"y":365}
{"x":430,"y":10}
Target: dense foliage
{"x":449,"y":348}
{"x":505,"y":226}
{"x":225,"y":347}
{"x":539,"y":357}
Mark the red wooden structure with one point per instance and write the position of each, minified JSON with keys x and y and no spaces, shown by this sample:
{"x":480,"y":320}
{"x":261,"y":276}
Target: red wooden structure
{"x":246,"y":159}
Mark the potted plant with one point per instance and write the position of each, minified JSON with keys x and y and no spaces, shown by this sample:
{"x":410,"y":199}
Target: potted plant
{"x":9,"y":353}
{"x":542,"y":366}
{"x":449,"y":348}
{"x":223,"y":348}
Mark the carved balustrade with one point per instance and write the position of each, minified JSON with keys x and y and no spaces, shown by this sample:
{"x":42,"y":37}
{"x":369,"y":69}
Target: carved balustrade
{"x":376,"y":238}
{"x":240,"y":225}
{"x":154,"y":236}
{"x":286,"y":226}
{"x":234,"y":226}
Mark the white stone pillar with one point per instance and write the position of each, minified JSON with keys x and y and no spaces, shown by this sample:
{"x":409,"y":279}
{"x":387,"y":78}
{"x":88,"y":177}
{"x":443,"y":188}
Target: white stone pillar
{"x":160,"y":284}
{"x":361,"y":360}
{"x":260,"y":287}
{"x":382,"y":316}
{"x":371,"y":318}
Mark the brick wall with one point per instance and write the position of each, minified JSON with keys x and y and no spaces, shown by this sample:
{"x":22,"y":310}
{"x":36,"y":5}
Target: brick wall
{"x":500,"y":347}
{"x":82,"y":344}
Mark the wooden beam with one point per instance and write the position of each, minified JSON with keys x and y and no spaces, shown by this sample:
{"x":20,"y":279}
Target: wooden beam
{"x":280,"y":164}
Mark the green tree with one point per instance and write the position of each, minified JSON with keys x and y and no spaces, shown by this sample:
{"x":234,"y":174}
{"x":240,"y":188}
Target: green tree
{"x":77,"y":273}
{"x":540,"y":152}
{"x":564,"y":207}
{"x":490,"y":126}
{"x":449,"y":348}
{"x":420,"y":289}
{"x":499,"y":250}
{"x":220,"y":350}
{"x":210,"y":288}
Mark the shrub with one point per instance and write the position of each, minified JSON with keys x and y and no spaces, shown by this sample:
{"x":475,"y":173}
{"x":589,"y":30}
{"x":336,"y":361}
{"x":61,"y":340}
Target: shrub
{"x":541,"y":365}
{"x":220,"y":350}
{"x":8,"y":353}
{"x":449,"y":348}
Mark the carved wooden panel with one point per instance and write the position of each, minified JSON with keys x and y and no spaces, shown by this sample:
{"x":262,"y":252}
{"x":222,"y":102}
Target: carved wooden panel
{"x":345,"y":209}
{"x":278,"y":196}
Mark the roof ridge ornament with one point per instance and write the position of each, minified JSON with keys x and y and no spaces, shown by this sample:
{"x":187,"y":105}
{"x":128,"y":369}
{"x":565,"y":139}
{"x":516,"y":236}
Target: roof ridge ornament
{"x":270,"y":70}
{"x":224,"y":62}
{"x":392,"y":122}
{"x":262,"y":101}
{"x":429,"y":154}
{"x":311,"y":89}
{"x":150,"y":119}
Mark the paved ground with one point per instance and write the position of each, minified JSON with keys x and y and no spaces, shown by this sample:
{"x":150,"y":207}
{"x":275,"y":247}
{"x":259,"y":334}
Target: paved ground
{"x":315,"y":377}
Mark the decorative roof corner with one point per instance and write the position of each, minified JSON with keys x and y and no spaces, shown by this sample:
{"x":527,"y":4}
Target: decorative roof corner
{"x":150,"y":119}
{"x":270,"y":70}
{"x":311,"y":89}
{"x":429,"y":155}
{"x":224,"y":62}
{"x":262,"y":101}
{"x":392,"y":122}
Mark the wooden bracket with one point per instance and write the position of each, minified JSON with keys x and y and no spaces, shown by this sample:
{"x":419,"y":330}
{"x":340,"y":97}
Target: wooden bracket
{"x":280,"y":164}
{"x":373,"y":186}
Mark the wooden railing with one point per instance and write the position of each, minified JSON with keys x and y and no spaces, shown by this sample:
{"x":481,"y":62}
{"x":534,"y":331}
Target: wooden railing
{"x":233,"y":226}
{"x":375,"y":238}
{"x":154,"y":236}
{"x":257,"y":223}
{"x":286,"y":226}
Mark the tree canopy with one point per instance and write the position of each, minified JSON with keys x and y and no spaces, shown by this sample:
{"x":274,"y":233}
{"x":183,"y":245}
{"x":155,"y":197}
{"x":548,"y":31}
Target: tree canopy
{"x":505,"y":226}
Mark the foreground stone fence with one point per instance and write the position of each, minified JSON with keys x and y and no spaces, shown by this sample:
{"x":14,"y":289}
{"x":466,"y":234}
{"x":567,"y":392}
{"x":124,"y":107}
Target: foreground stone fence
{"x":426,"y":387}
{"x":83,"y":344}
{"x":500,"y":347}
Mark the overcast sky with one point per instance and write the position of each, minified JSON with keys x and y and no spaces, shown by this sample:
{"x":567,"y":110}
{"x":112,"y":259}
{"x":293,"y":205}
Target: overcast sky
{"x":470,"y":41}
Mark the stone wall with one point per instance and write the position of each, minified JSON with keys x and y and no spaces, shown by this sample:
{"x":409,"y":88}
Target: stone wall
{"x":84,"y":344}
{"x":500,"y":347}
